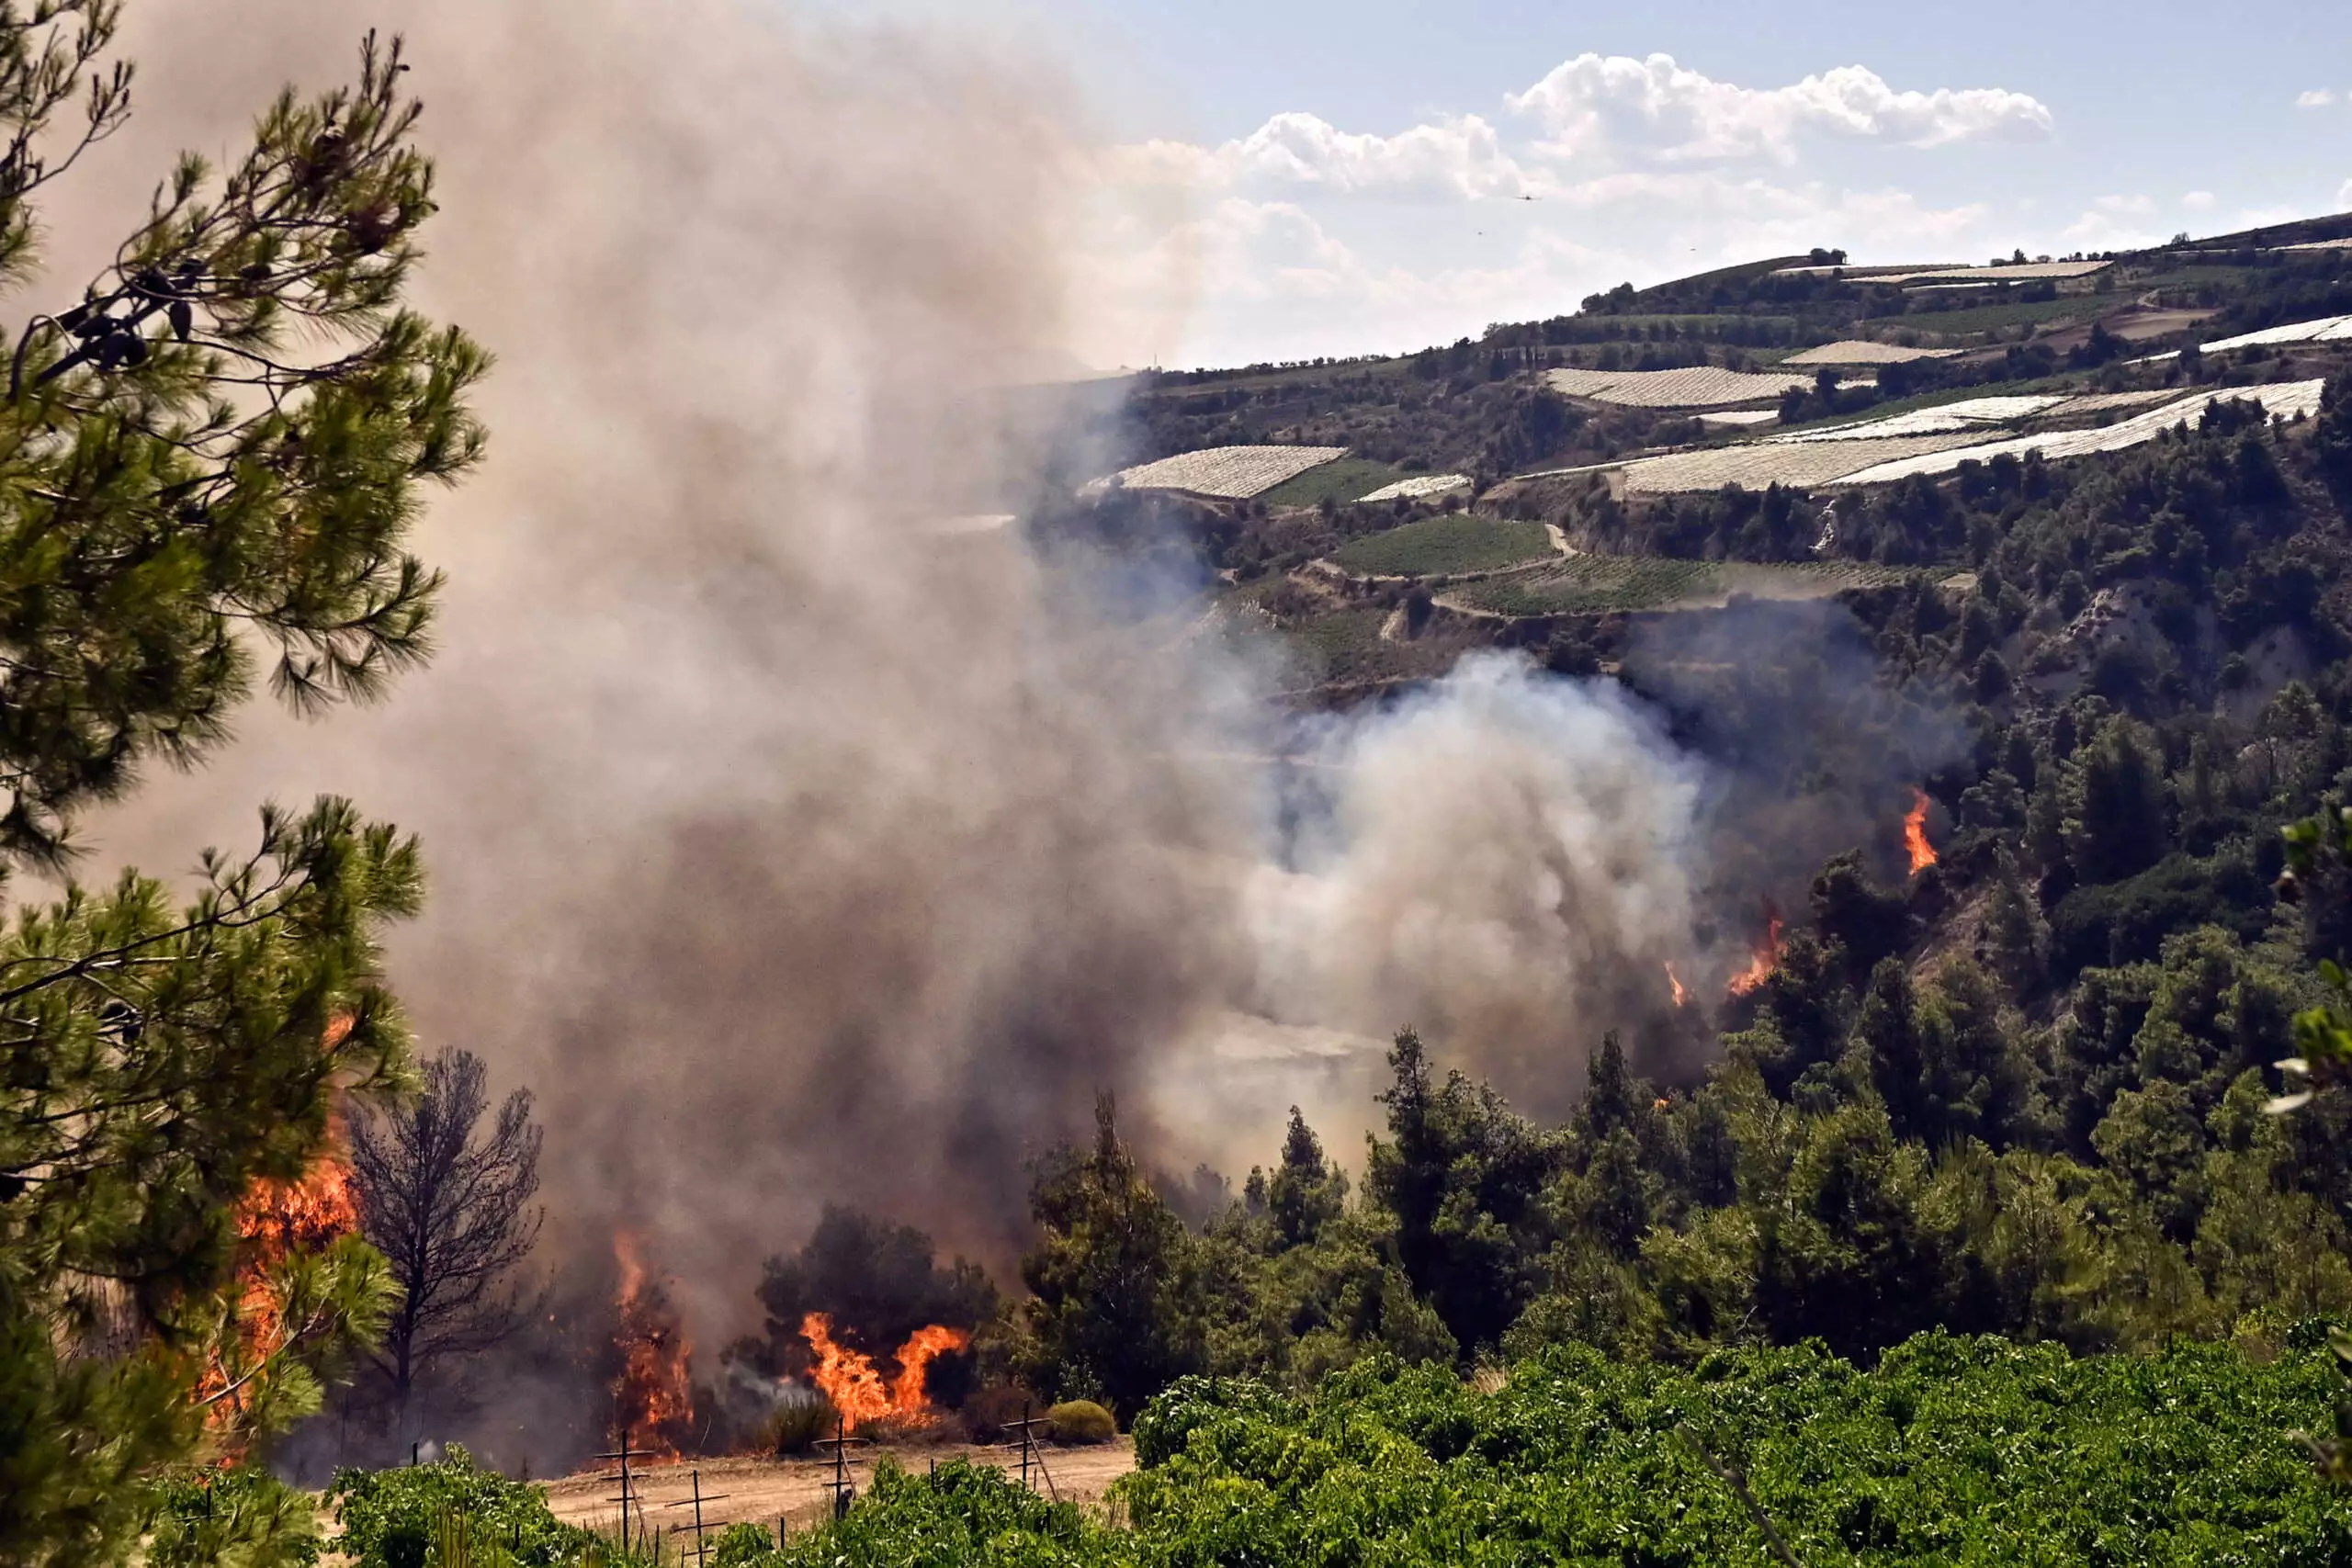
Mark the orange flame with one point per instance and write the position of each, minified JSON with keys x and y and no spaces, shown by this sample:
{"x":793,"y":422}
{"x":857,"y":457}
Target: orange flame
{"x":276,"y":1220}
{"x":1682,"y":992}
{"x":1766,"y":959}
{"x":1915,"y":833}
{"x":652,"y":1395}
{"x":858,"y":1391}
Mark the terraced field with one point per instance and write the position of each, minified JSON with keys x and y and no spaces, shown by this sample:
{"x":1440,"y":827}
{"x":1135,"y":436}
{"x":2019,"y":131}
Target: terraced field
{"x":1595,"y":584}
{"x":1228,"y":473}
{"x":1699,"y":387}
{"x":1445,"y":546}
{"x":1344,"y":478}
{"x":1853,"y":351}
{"x":1758,"y":466}
{"x":1418,"y":487}
{"x":2280,"y":400}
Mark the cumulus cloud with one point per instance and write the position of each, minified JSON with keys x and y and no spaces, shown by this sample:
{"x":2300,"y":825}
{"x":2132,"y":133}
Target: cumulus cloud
{"x":1450,"y":158}
{"x":2199,"y":201}
{"x":2318,"y":98}
{"x":1636,"y":167}
{"x":1615,"y":105}
{"x":2114,"y":222}
{"x":1279,"y":279}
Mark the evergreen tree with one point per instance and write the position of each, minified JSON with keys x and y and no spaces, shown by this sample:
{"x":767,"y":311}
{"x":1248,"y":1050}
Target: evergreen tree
{"x":1306,"y":1193}
{"x":2116,"y":807}
{"x":216,"y":445}
{"x":1464,"y":1178}
{"x":1111,"y":1281}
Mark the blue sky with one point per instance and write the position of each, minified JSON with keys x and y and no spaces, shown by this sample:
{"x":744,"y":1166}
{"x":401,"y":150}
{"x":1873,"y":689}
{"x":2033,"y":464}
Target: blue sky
{"x":1307,"y":177}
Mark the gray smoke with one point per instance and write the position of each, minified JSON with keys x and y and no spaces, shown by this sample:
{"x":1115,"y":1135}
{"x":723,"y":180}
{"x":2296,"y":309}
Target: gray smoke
{"x":788,"y":848}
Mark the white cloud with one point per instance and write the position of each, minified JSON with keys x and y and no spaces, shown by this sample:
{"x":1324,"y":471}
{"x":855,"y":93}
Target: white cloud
{"x":1273,"y":280}
{"x":2199,"y":201}
{"x":1259,"y":247}
{"x":1597,"y":105}
{"x":1456,"y":158}
{"x":2344,"y":196}
{"x":2113,"y":223}
{"x":2318,"y":98}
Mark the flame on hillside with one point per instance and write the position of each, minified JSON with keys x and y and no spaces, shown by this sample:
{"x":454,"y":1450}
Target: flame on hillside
{"x":652,"y":1395}
{"x":857,"y":1388}
{"x":1915,"y":833}
{"x":1765,"y":958}
{"x":1681,"y":991}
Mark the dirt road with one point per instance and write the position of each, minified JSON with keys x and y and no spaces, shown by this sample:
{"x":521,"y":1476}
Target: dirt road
{"x":801,"y":1490}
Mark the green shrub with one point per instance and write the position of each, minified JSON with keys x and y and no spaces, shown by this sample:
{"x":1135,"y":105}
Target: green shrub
{"x":402,"y":1519}
{"x":245,"y":1515}
{"x":962,"y":1516}
{"x":740,"y":1545}
{"x":1082,"y":1421}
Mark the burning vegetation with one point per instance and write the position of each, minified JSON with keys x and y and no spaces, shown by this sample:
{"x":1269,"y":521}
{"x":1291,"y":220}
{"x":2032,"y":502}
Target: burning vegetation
{"x":277,"y":1221}
{"x":858,"y":1387}
{"x":652,"y":1393}
{"x":1915,"y":833}
{"x":1766,"y":957}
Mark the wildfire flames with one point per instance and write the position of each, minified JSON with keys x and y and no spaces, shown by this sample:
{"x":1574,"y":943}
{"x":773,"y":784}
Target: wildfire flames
{"x":1681,"y":991}
{"x":276,"y":1220}
{"x":652,"y":1397}
{"x":1915,"y":833}
{"x":1766,"y":957}
{"x":858,"y":1390}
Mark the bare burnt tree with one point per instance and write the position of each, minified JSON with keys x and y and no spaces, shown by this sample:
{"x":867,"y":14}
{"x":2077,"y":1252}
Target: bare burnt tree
{"x":449,"y":1203}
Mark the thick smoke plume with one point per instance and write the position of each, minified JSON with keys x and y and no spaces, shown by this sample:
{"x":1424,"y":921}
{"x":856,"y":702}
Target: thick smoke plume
{"x":789,"y":847}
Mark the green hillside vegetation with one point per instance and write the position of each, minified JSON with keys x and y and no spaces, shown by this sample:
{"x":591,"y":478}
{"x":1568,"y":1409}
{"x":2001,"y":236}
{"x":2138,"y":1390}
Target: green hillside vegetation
{"x":1446,"y":545}
{"x":1948,"y":1451}
{"x":1590,"y":584}
{"x":1345,"y":478}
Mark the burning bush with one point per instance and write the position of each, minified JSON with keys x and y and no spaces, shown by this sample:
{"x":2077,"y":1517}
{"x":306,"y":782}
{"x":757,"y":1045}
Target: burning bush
{"x":801,"y":1416}
{"x":652,"y":1393}
{"x":876,"y":1285}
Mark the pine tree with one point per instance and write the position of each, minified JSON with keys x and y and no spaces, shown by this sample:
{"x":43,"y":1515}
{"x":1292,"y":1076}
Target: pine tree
{"x":218,"y":444}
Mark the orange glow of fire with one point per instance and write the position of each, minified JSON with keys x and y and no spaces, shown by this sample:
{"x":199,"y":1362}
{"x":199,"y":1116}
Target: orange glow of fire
{"x":1766,"y":959}
{"x":857,"y":1388}
{"x":1681,"y":991}
{"x":1915,"y":833}
{"x":277,"y":1219}
{"x":652,"y":1394}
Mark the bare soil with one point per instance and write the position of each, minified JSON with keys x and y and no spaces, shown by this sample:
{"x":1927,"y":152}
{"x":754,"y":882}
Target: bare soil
{"x":799,"y":1491}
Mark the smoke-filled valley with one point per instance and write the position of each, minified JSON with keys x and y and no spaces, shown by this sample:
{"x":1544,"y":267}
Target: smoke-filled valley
{"x":955,"y":885}
{"x":794,"y":848}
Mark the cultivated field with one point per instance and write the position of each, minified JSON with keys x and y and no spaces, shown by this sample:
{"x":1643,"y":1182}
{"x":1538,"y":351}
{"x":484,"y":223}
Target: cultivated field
{"x":2026,"y":272}
{"x":2111,"y":402}
{"x":1347,"y":479}
{"x":2283,"y":399}
{"x":1596,"y":584}
{"x":1943,"y":419}
{"x":1856,"y":351}
{"x":1418,"y":486}
{"x":1699,"y":387}
{"x":1227,"y":473}
{"x":2326,"y":329}
{"x":1791,"y":463}
{"x":1445,"y":546}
